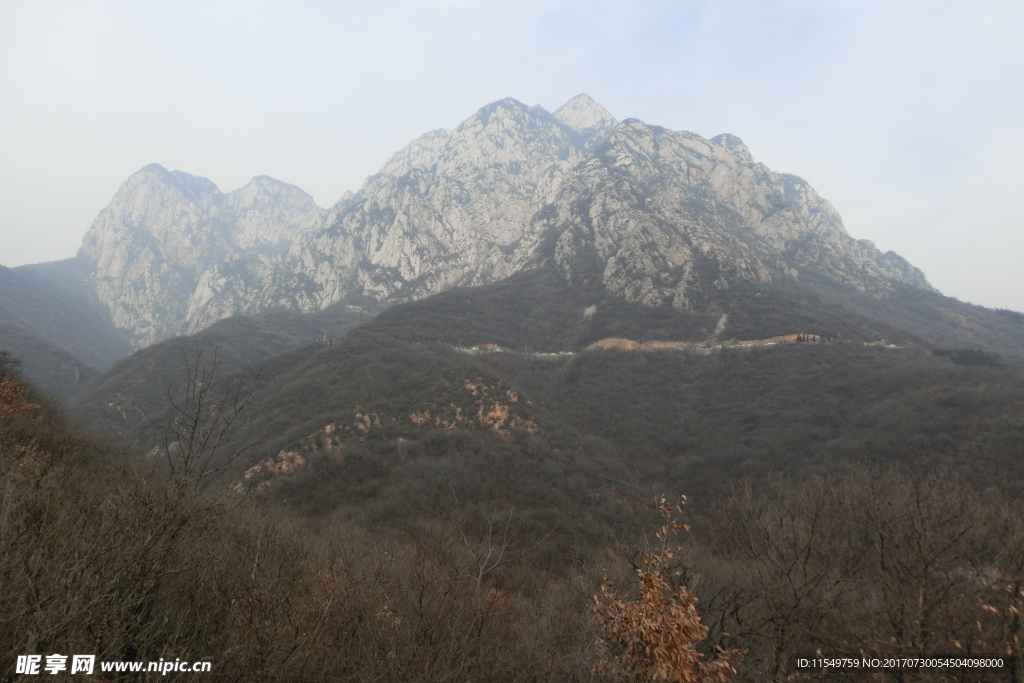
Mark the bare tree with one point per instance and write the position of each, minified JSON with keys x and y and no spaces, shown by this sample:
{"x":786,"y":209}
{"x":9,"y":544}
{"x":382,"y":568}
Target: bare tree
{"x":202,"y":419}
{"x":497,"y":549}
{"x":876,"y":561}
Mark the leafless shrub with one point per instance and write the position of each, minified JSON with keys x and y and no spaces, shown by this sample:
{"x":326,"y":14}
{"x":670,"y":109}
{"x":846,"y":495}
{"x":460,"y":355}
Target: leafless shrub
{"x":201,"y":418}
{"x":875,"y":561}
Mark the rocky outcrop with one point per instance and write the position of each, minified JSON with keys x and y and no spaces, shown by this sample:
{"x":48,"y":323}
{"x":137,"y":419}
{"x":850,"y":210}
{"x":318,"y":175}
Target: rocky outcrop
{"x":483,"y":406}
{"x":453,"y":208}
{"x":833,"y":251}
{"x":588,"y":123}
{"x":160,"y":248}
{"x":656,"y":216}
{"x":664,"y":217}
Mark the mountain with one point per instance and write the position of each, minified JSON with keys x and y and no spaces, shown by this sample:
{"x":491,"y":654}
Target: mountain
{"x":652,"y":215}
{"x":657,"y":216}
{"x":151,"y":250}
{"x":52,"y":324}
{"x":452,"y":208}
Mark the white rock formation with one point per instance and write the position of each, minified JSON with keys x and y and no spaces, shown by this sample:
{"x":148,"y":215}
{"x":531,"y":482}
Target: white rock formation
{"x":656,"y":216}
{"x":153,"y":245}
{"x":588,"y":122}
{"x":664,"y":217}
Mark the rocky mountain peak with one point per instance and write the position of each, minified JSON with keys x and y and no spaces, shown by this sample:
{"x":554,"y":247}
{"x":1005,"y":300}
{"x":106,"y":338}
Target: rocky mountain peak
{"x":154,"y":180}
{"x":264,"y":215}
{"x":507,"y":132}
{"x":164,"y":230}
{"x":421,"y":153}
{"x":588,"y":120}
{"x":453,"y":207}
{"x":671,"y":217}
{"x":656,"y":216}
{"x":582,"y":112}
{"x":504,"y":109}
{"x":728,"y":140}
{"x":155,"y":175}
{"x":153,"y":204}
{"x":735,"y":145}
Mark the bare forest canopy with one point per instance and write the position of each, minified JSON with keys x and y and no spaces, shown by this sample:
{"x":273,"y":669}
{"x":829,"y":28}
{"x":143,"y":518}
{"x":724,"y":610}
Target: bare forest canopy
{"x":108,"y":553}
{"x":865,"y":391}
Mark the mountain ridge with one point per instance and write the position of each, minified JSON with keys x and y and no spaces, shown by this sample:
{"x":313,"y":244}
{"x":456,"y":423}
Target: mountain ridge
{"x":698,"y":419}
{"x":151,"y":248}
{"x":660,"y":217}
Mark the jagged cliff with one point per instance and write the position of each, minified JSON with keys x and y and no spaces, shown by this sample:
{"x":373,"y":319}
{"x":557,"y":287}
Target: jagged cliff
{"x":664,"y":217}
{"x":158,"y":249}
{"x":656,"y":216}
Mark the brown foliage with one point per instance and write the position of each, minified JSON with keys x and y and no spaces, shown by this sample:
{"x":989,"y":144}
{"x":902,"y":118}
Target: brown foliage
{"x":12,"y":400}
{"x":112,"y":556}
{"x":652,"y":636}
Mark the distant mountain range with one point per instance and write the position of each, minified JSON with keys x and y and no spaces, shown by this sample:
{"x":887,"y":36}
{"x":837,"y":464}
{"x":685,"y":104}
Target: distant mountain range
{"x":653,"y":215}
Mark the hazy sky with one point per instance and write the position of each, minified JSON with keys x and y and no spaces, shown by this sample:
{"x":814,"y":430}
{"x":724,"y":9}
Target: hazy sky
{"x":907,"y":116}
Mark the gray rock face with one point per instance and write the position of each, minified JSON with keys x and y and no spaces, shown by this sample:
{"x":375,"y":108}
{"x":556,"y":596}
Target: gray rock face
{"x":588,"y":122}
{"x":153,"y":248}
{"x":453,"y":208}
{"x":665,"y":217}
{"x":657,"y":216}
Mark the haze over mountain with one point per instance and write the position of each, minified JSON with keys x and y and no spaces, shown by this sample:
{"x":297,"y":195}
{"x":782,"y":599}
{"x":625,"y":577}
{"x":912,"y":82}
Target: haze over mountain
{"x":655,"y":216}
{"x":51,"y":320}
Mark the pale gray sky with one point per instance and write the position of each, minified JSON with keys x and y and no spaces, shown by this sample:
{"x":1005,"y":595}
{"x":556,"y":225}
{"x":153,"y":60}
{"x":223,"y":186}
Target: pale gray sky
{"x":906,"y":115}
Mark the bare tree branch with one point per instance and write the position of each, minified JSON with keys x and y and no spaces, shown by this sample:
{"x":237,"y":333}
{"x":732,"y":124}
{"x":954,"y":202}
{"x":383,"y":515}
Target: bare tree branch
{"x":203,"y":418}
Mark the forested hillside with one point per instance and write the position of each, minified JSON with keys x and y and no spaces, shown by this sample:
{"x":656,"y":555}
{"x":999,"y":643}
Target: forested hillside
{"x":49,"y":321}
{"x":476,"y":546}
{"x":693,"y":420}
